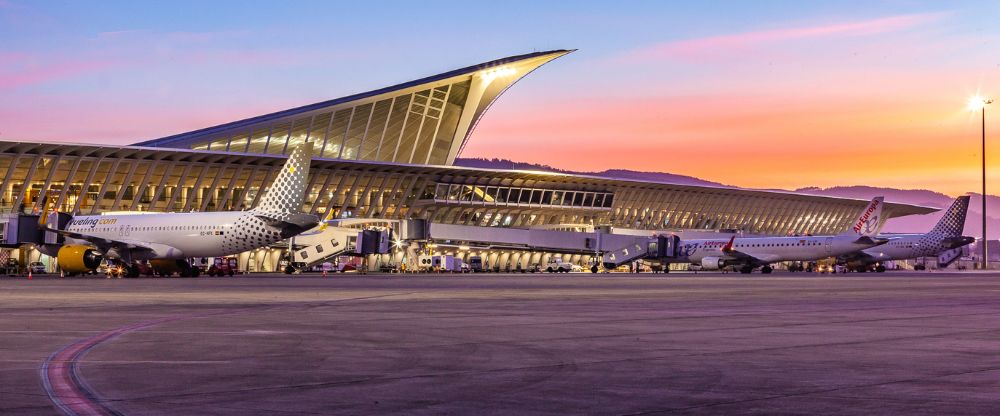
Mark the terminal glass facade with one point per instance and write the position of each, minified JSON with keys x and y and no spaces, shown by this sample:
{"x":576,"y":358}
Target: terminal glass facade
{"x":84,"y":179}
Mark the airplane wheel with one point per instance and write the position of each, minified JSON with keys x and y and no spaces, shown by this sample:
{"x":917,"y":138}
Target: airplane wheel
{"x":860,"y":269}
{"x":746,"y":269}
{"x":880,"y":269}
{"x":593,"y":269}
{"x":289,"y":270}
{"x":766,"y":269}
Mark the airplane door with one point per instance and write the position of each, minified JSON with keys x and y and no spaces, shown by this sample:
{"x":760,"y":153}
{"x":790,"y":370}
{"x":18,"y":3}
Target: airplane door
{"x":829,"y":245}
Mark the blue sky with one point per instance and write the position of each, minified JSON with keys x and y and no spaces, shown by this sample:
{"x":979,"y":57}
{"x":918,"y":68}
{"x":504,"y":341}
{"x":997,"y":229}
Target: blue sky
{"x":842,"y":74}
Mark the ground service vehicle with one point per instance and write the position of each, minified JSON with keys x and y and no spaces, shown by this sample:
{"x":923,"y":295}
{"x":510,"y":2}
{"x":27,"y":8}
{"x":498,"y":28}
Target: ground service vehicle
{"x":447,"y":263}
{"x":476,"y":264}
{"x":556,"y":264}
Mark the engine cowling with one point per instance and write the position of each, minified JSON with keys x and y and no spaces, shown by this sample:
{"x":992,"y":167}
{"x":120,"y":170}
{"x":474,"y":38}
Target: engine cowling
{"x":712,"y":263}
{"x":78,"y":259}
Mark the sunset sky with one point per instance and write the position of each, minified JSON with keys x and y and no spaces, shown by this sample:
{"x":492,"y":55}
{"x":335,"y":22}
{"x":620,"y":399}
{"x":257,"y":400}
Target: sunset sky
{"x":772,"y":94}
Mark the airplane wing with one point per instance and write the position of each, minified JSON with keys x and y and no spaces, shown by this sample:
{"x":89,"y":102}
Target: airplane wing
{"x":103,"y":244}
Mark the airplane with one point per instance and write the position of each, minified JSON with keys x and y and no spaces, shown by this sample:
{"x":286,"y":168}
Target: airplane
{"x":167,"y":239}
{"x":749,"y":253}
{"x":943,"y":241}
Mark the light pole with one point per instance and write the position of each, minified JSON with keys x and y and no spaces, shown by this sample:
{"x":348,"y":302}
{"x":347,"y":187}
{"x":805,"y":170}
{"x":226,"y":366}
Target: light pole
{"x":979,"y":103}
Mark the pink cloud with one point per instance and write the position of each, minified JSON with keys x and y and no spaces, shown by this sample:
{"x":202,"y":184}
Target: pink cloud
{"x":19,"y":69}
{"x":108,"y":120}
{"x":701,"y":48}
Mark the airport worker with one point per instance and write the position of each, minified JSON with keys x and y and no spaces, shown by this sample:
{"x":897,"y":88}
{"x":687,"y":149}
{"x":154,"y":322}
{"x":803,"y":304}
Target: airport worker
{"x":327,"y":267}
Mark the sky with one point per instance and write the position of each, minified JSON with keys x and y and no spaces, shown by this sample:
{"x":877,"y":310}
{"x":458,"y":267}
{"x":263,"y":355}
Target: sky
{"x":763,"y":94}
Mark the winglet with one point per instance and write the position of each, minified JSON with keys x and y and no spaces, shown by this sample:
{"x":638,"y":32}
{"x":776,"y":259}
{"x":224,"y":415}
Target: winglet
{"x":43,"y":220}
{"x":729,"y":246}
{"x":326,"y":222}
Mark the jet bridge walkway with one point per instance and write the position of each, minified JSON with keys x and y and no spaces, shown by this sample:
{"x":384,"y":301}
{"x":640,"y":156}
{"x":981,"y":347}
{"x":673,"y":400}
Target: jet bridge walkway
{"x":340,"y":237}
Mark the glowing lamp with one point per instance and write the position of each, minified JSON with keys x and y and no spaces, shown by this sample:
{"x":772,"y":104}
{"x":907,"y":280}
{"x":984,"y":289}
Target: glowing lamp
{"x":976,"y":103}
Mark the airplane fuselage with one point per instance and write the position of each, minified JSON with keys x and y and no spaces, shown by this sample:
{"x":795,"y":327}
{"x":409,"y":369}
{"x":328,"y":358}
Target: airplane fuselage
{"x":774,"y":249}
{"x":178,"y":235}
{"x":911,"y":246}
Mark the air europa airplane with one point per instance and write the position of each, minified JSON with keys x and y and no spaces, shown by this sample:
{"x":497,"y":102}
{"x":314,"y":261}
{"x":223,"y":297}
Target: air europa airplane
{"x":746,"y":254}
{"x":169,"y":238}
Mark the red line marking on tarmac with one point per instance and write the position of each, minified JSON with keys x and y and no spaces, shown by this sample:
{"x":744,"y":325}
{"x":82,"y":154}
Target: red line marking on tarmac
{"x":61,"y":379}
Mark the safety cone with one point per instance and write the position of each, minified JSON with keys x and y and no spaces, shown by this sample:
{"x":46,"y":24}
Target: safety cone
{"x":62,"y":273}
{"x":29,"y":274}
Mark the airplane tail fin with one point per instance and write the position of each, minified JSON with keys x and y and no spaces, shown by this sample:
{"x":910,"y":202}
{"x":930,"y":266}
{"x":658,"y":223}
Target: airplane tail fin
{"x":286,"y":193}
{"x":952,"y":224}
{"x":867,"y":223}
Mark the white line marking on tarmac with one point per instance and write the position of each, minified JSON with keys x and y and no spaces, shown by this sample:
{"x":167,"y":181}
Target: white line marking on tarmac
{"x":89,"y":362}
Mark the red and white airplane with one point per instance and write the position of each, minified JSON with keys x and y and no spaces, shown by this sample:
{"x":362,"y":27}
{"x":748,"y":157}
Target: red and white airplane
{"x":747,"y":254}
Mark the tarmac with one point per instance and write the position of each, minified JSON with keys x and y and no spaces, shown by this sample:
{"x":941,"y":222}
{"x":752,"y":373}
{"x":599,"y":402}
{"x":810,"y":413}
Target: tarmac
{"x":526,"y":344}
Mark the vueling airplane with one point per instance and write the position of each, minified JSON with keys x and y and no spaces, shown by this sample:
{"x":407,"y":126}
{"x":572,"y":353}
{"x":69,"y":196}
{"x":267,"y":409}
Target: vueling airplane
{"x":746,"y":254}
{"x":943,"y":241}
{"x":167,"y":239}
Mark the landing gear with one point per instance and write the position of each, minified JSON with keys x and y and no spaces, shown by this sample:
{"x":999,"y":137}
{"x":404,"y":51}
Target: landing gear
{"x":593,"y":269}
{"x":289,"y":269}
{"x":861,"y":269}
{"x":746,"y":269}
{"x":880,"y":269}
{"x":188,"y":270}
{"x":132,"y":270}
{"x":766,"y":269}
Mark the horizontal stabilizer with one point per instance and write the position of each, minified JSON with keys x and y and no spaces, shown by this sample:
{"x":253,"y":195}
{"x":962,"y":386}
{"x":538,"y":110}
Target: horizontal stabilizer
{"x":299,"y":220}
{"x":956,"y":242}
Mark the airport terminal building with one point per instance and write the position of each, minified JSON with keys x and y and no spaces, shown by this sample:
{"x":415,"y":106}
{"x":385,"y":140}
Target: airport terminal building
{"x":389,"y":154}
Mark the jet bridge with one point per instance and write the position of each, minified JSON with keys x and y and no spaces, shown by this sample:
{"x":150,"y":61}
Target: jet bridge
{"x":339,"y":237}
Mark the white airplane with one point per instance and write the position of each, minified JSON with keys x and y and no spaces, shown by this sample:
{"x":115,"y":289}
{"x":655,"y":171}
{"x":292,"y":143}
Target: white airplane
{"x":167,"y":239}
{"x":752,"y":252}
{"x":944,"y":241}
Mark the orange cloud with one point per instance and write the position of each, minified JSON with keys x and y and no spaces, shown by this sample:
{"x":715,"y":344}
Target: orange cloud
{"x":760,"y":141}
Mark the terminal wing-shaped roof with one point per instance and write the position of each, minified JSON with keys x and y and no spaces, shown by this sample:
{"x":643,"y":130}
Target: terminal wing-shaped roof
{"x":425,"y":121}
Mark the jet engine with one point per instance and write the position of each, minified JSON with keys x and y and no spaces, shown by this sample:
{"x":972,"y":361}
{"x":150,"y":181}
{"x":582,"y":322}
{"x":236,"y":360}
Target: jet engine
{"x":712,"y":263}
{"x":75,"y":259}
